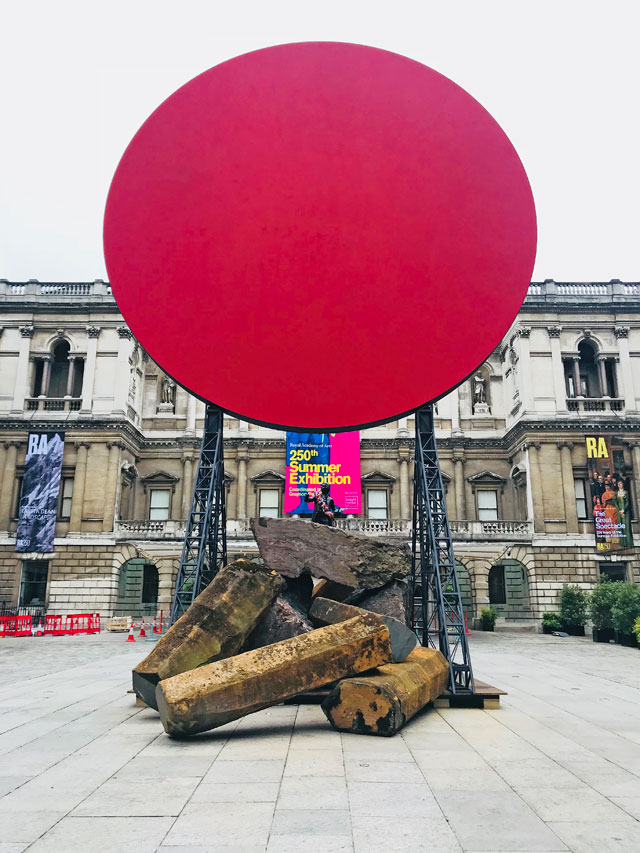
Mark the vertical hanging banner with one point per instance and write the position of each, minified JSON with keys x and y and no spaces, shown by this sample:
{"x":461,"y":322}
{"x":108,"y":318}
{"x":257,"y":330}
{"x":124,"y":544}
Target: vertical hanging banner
{"x":39,"y":496}
{"x":610,"y":498}
{"x":317,"y":458}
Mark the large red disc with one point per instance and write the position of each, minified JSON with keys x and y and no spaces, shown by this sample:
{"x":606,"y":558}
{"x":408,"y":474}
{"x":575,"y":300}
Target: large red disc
{"x":320,"y":236}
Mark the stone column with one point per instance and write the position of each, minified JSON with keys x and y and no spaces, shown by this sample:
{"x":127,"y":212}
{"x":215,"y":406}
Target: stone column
{"x":242,"y":487}
{"x":70,"y":376}
{"x":404,"y":487}
{"x":454,"y":402}
{"x":46,"y":376}
{"x":22,"y":373}
{"x":191,"y":413}
{"x":536,"y":510}
{"x":403,"y":426}
{"x":568,"y":486}
{"x":526,"y":382}
{"x":559,"y":387}
{"x":458,"y":480}
{"x":187,"y":485}
{"x":79,"y":481}
{"x":89,"y":376}
{"x":602,"y":376}
{"x":622,"y":334}
{"x":577,"y":385}
{"x":111,"y":484}
{"x":8,"y":480}
{"x":122,"y":375}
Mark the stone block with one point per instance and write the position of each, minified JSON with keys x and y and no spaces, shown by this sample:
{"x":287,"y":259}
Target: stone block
{"x":284,"y":619}
{"x":295,"y":548}
{"x":226,"y":690}
{"x":332,"y":590}
{"x":381,"y":702}
{"x":390,"y":600}
{"x":215,"y":626}
{"x":325,"y":612}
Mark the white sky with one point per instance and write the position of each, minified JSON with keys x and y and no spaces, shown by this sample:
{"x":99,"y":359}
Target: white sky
{"x":78,"y":78}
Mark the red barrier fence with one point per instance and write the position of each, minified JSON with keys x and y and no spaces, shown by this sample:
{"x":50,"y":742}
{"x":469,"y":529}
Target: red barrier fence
{"x":75,"y":623}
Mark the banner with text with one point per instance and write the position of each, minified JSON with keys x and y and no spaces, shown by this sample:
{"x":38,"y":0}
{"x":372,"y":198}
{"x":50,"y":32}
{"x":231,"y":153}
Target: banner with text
{"x":316,"y":458}
{"x":39,"y":495}
{"x":610,"y":497}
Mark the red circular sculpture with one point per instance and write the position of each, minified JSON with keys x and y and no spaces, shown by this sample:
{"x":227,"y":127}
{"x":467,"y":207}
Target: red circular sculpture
{"x":320,"y":236}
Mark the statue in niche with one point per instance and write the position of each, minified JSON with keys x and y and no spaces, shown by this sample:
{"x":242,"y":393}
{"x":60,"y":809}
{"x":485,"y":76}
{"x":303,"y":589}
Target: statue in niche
{"x":167,"y":395}
{"x":480,"y":405}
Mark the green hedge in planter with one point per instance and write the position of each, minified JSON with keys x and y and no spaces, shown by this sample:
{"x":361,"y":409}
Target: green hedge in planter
{"x":573,"y":607}
{"x":488,"y":616}
{"x":626,"y":609}
{"x":601,"y":604}
{"x":551,"y":622}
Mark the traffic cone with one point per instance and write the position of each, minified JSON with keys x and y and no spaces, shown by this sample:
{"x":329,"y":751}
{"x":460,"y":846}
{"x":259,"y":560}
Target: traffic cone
{"x":154,"y":627}
{"x":142,"y":633}
{"x":40,"y":630}
{"x":131,"y":638}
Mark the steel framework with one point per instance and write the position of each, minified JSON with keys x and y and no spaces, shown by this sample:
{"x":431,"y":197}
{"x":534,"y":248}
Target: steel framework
{"x":204,"y":551}
{"x":438,"y":617}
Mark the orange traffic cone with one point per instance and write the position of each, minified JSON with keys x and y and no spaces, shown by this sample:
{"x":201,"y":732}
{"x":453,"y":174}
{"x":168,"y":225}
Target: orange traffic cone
{"x":154,"y":627}
{"x":131,"y":638}
{"x":142,"y":633}
{"x":40,"y":630}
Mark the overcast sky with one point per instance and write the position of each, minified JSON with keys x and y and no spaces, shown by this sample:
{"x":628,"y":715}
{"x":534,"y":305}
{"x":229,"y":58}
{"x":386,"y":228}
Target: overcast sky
{"x":78,"y":78}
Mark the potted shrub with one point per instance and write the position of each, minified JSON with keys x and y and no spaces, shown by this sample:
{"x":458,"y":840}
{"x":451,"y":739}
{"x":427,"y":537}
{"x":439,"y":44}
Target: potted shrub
{"x":551,"y":622}
{"x":625,"y":611}
{"x":636,"y":630}
{"x":488,"y":616}
{"x":601,"y":610}
{"x":573,"y":610}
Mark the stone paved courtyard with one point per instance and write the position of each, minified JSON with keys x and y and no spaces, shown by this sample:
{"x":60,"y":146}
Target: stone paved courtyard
{"x":556,"y":768}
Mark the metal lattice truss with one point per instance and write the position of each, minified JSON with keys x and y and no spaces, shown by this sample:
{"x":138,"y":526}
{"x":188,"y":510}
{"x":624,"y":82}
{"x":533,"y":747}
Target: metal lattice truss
{"x":204,"y":551}
{"x":438,"y":617}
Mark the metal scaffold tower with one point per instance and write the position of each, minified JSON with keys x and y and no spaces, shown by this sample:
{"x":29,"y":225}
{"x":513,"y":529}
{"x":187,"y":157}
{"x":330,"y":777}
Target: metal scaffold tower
{"x":204,"y":551}
{"x":438,"y":617}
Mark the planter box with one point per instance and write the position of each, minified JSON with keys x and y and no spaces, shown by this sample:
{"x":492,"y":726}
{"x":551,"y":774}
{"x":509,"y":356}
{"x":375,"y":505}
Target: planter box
{"x":487,"y":628}
{"x":574,"y":630}
{"x":604,"y":635}
{"x":627,"y":640}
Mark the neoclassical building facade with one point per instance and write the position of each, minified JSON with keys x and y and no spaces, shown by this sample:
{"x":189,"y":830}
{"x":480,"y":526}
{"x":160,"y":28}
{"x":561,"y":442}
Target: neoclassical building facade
{"x":512,"y":443}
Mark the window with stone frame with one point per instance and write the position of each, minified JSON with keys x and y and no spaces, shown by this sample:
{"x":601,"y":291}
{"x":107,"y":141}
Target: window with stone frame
{"x":377,"y":501}
{"x":268,"y":503}
{"x":487,"y":504}
{"x":33,"y":583}
{"x":159,"y":504}
{"x":582,"y":505}
{"x":497,"y":585}
{"x":65,"y":496}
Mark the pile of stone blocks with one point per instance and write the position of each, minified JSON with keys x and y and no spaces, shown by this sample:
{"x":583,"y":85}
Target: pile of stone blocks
{"x":263,"y":632}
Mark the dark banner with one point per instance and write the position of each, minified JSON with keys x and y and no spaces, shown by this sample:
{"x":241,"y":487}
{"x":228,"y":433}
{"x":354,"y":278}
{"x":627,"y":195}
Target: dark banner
{"x":610,"y":496}
{"x":39,"y":495}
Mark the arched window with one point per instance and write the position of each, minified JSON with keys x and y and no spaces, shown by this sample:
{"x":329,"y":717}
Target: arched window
{"x":59,"y":375}
{"x":590,"y":374}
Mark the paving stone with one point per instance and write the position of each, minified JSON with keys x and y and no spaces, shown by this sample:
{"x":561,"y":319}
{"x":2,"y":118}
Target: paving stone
{"x":392,"y":799}
{"x":140,"y":798}
{"x":582,"y":805}
{"x":26,"y":826}
{"x":314,"y":822}
{"x":243,"y":792}
{"x":294,"y":843}
{"x":242,"y":824}
{"x":382,"y":771}
{"x":239,"y":772}
{"x":314,"y":762}
{"x":417,"y":834}
{"x":616,"y":837}
{"x":98,"y":834}
{"x":158,"y":767}
{"x":310,"y":792}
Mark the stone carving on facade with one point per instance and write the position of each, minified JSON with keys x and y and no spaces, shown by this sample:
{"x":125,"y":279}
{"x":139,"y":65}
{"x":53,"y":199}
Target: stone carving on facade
{"x":621,"y":331}
{"x":93,"y":331}
{"x":124,"y":332}
{"x":167,"y":395}
{"x":587,"y":333}
{"x":524,"y":331}
{"x":554,"y":331}
{"x":26,"y":331}
{"x":480,"y":404}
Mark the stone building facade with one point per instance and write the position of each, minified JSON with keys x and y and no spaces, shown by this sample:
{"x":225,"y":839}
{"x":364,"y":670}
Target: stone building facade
{"x":511,"y":442}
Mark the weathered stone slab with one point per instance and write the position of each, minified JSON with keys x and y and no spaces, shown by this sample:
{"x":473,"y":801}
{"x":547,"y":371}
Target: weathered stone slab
{"x":284,"y":619}
{"x":332,"y":590}
{"x":220,"y":692}
{"x":295,"y":548}
{"x":390,"y":600}
{"x":325,"y":612}
{"x":381,"y":702}
{"x":215,"y":626}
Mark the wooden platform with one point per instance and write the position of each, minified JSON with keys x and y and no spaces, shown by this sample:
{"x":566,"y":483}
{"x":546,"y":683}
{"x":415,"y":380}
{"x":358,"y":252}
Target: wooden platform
{"x":486,"y":696}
